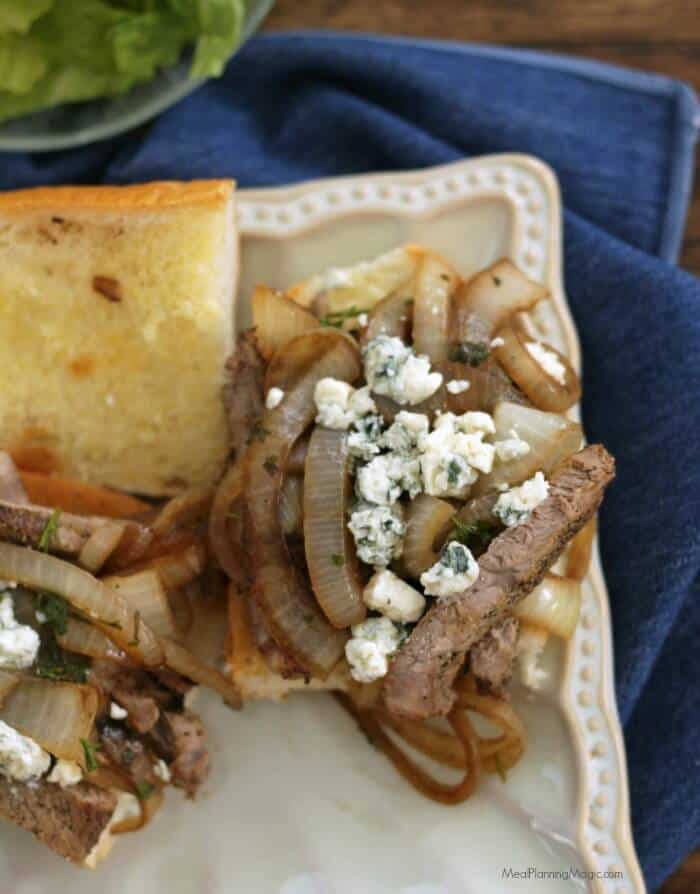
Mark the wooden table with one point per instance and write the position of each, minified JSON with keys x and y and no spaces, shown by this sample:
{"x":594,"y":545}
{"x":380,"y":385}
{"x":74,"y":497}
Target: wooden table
{"x":657,"y":35}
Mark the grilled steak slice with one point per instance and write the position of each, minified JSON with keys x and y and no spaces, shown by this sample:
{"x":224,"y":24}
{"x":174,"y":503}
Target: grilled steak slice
{"x":491,"y":659}
{"x":68,"y":820}
{"x":11,"y":487}
{"x":421,"y":677}
{"x":128,"y":753}
{"x":191,"y":765}
{"x":244,"y":391}
{"x":139,"y":693}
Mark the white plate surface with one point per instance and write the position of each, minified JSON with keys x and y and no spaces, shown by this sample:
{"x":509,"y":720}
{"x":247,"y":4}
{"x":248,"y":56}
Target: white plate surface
{"x":298,"y":802}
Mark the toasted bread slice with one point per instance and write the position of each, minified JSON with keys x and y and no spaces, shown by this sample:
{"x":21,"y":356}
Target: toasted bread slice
{"x":116,"y":312}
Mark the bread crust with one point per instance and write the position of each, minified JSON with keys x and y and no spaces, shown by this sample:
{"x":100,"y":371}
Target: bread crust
{"x":138,"y":197}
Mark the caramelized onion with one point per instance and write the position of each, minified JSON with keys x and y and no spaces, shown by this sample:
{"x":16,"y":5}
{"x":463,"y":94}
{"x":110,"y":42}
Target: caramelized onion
{"x":184,"y":662}
{"x":578,"y":555}
{"x":330,"y":549}
{"x":56,"y":715}
{"x":484,"y":303}
{"x":393,"y":316}
{"x":100,"y":545}
{"x":435,"y":283}
{"x":290,"y":611}
{"x":7,"y":684}
{"x":292,"y":505}
{"x":225,"y":524}
{"x":86,"y":594}
{"x":551,"y":438}
{"x":554,"y":605}
{"x":177,"y":569}
{"x":144,"y":594}
{"x":502,"y":752}
{"x":277,"y":320}
{"x":428,"y":522}
{"x":86,"y":639}
{"x":542,"y":389}
{"x":184,"y":510}
{"x":297,"y":457}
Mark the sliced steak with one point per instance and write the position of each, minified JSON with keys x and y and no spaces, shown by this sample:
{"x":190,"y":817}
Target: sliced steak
{"x":191,"y":765}
{"x":421,"y":677}
{"x":244,"y":391}
{"x":68,"y":820}
{"x":139,"y":693}
{"x":128,"y":754}
{"x":11,"y":487}
{"x":491,"y":659}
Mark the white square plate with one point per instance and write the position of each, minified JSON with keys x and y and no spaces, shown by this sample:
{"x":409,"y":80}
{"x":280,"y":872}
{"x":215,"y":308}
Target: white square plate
{"x":298,"y":802}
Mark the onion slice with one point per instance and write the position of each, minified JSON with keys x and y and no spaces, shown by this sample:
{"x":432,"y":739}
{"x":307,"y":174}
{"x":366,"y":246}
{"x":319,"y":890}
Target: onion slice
{"x":291,"y":614}
{"x":56,"y":715}
{"x":86,"y":639}
{"x":184,"y":662}
{"x":554,"y":605}
{"x":177,"y":569}
{"x":578,"y":555}
{"x":144,"y":594}
{"x":100,"y":546}
{"x":278,"y":319}
{"x":297,"y":457}
{"x":7,"y":684}
{"x":552,"y":438}
{"x":86,"y":594}
{"x":226,"y":524}
{"x":292,"y":505}
{"x":184,"y":510}
{"x":393,"y":316}
{"x":330,"y":549}
{"x":435,"y":284}
{"x":545,"y":392}
{"x":428,"y":522}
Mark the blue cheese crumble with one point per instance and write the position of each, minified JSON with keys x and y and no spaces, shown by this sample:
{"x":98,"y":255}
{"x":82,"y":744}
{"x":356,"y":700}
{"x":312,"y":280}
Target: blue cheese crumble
{"x":370,"y":646}
{"x":19,"y":643}
{"x":378,"y":532}
{"x":392,"y":597}
{"x":339,"y":405}
{"x":515,"y":505}
{"x":393,"y":369}
{"x":407,"y":433}
{"x":386,"y":477}
{"x":21,"y":759}
{"x":454,"y":572}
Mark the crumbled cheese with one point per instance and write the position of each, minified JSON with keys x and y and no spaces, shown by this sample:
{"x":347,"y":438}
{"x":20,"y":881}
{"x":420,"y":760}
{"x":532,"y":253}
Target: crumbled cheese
{"x":515,"y":505}
{"x":19,"y":643}
{"x":340,"y":405}
{"x":162,"y":771}
{"x":548,"y":360}
{"x":468,"y":423}
{"x":511,"y":448}
{"x":386,"y":477}
{"x":378,"y":532}
{"x":364,"y":438}
{"x":497,"y":342}
{"x":371,"y":644}
{"x":454,"y":572}
{"x":274,"y":398}
{"x":362,"y":320}
{"x":21,"y":758}
{"x":531,"y":643}
{"x":392,"y":597}
{"x":40,"y":617}
{"x":407,"y":433}
{"x":65,"y":773}
{"x":116,"y":712}
{"x":393,"y":369}
{"x":458,"y":386}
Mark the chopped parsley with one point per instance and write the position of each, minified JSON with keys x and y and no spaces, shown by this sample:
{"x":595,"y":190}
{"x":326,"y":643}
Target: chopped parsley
{"x":496,"y":280}
{"x":259,"y":432}
{"x":270,"y":465}
{"x":50,"y":530}
{"x":337,"y":560}
{"x":471,"y":352}
{"x":54,"y":609}
{"x":90,"y":750}
{"x":482,"y":532}
{"x":144,"y":790}
{"x":336,"y":318}
{"x":55,"y":664}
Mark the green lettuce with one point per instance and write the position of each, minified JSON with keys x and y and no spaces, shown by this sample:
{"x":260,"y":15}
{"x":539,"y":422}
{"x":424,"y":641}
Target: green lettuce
{"x":58,"y":51}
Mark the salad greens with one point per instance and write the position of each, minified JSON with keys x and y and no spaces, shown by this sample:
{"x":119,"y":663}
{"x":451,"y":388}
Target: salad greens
{"x":56,"y":51}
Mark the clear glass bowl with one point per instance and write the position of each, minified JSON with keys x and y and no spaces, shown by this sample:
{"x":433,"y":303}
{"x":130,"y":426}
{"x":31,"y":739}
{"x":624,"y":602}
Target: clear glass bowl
{"x":76,"y":124}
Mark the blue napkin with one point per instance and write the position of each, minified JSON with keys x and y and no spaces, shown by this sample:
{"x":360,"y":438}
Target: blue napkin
{"x":298,"y":106}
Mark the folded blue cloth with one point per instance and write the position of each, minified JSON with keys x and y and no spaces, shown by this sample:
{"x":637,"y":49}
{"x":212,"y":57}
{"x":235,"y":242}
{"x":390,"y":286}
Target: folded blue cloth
{"x":298,"y":106}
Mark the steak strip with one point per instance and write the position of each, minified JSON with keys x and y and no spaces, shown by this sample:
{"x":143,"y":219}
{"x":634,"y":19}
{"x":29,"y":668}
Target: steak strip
{"x":68,"y":820}
{"x":421,"y":677}
{"x":491,"y":659}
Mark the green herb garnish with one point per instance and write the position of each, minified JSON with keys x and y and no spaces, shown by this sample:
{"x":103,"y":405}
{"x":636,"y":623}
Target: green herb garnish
{"x":496,"y":280}
{"x":144,"y":790}
{"x":50,"y":530}
{"x":337,"y":560}
{"x":336,"y":318}
{"x":270,"y":465}
{"x":500,"y":769}
{"x":55,"y":664}
{"x":481,"y":531}
{"x":54,"y":609}
{"x":471,"y":352}
{"x":259,"y":432}
{"x":90,"y":751}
